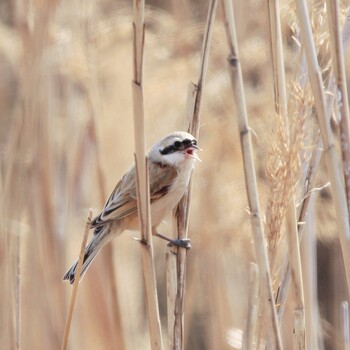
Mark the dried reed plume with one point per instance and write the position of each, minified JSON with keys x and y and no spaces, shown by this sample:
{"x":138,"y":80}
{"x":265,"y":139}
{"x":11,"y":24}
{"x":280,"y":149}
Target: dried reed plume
{"x":283,"y":165}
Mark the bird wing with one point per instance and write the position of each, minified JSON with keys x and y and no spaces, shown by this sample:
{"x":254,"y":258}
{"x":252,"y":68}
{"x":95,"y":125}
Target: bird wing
{"x":123,"y":200}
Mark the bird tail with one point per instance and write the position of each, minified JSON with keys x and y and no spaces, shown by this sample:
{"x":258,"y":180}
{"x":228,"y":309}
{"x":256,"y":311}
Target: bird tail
{"x":91,"y":251}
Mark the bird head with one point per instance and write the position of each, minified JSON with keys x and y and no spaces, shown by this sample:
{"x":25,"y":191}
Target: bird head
{"x":177,"y":149}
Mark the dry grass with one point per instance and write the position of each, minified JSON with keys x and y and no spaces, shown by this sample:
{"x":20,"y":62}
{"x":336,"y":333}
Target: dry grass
{"x":66,"y":137}
{"x":287,"y":151}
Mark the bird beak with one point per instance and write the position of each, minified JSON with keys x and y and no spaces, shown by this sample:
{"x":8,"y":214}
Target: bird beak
{"x":191,"y":152}
{"x":196,"y":147}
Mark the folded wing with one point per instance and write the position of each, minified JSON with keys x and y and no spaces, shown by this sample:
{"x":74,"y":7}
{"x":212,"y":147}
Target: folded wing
{"x":123,"y":201}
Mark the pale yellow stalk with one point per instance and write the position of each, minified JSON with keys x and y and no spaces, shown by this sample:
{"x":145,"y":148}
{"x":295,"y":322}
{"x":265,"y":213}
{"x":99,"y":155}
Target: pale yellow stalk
{"x":251,"y":321}
{"x":342,"y":90}
{"x":291,"y":217}
{"x":143,"y":197}
{"x":267,"y":296}
{"x":76,"y":284}
{"x":333,"y":165}
{"x":182,"y":210}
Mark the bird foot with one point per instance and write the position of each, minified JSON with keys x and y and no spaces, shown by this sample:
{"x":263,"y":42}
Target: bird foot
{"x":182,"y":243}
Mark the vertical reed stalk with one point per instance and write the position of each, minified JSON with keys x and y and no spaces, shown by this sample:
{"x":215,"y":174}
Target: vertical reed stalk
{"x":310,"y":175}
{"x":76,"y":284}
{"x":277,"y":58}
{"x":333,"y":167}
{"x":344,"y":312}
{"x":309,"y":254}
{"x":252,"y":309}
{"x":299,"y":334}
{"x":171,"y":295}
{"x":143,"y":198}
{"x":291,"y":217}
{"x":250,"y":176}
{"x":92,"y":98}
{"x":18,"y":295}
{"x":340,"y":75}
{"x":182,"y":210}
{"x":298,"y":288}
{"x":177,"y":257}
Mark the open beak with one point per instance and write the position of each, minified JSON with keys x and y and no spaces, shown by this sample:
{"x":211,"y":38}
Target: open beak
{"x":191,"y":152}
{"x":196,"y":147}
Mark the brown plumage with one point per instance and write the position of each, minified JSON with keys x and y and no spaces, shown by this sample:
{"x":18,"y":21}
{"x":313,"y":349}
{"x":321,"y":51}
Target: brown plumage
{"x":170,"y":163}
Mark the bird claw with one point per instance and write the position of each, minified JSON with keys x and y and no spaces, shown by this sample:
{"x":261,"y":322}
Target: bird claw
{"x":182,"y":243}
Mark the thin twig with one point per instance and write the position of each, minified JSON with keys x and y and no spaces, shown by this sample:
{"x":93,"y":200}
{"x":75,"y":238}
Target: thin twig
{"x":176,"y":306}
{"x":76,"y":283}
{"x":171,"y":295}
{"x":194,"y":125}
{"x":250,"y":176}
{"x":277,"y":58}
{"x":182,"y":210}
{"x":143,"y":197}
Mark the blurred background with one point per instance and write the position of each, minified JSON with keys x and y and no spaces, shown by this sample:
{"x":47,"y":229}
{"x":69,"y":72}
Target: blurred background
{"x":66,"y":137}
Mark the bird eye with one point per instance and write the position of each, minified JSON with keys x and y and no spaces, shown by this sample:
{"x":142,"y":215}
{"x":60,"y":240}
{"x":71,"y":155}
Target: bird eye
{"x":177,"y":144}
{"x":187,"y":142}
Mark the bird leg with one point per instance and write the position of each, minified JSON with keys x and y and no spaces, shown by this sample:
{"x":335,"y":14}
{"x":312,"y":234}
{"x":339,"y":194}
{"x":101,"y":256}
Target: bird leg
{"x":182,"y":243}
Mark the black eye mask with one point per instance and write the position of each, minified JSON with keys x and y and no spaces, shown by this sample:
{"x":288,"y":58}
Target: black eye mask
{"x":178,"y":146}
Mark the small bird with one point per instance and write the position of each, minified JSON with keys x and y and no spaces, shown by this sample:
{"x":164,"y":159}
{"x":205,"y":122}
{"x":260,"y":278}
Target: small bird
{"x":170,"y":164}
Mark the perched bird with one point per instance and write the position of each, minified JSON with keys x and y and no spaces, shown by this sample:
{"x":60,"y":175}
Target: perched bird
{"x":170,"y":163}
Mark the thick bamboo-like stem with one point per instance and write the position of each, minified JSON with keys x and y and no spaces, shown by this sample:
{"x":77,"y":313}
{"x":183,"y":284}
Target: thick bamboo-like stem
{"x":291,"y":217}
{"x":339,"y":67}
{"x":333,"y":166}
{"x":143,"y":198}
{"x":76,"y":284}
{"x":250,"y":177}
{"x":252,"y":309}
{"x":182,"y":210}
{"x":345,"y":325}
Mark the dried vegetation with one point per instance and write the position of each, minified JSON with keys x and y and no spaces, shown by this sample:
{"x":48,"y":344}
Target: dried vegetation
{"x":66,"y":137}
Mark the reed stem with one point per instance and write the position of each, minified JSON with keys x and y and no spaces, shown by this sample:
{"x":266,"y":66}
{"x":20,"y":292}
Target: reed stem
{"x":235,"y":70}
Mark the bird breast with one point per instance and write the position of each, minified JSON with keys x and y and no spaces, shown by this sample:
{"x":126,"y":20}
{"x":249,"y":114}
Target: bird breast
{"x":164,"y":205}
